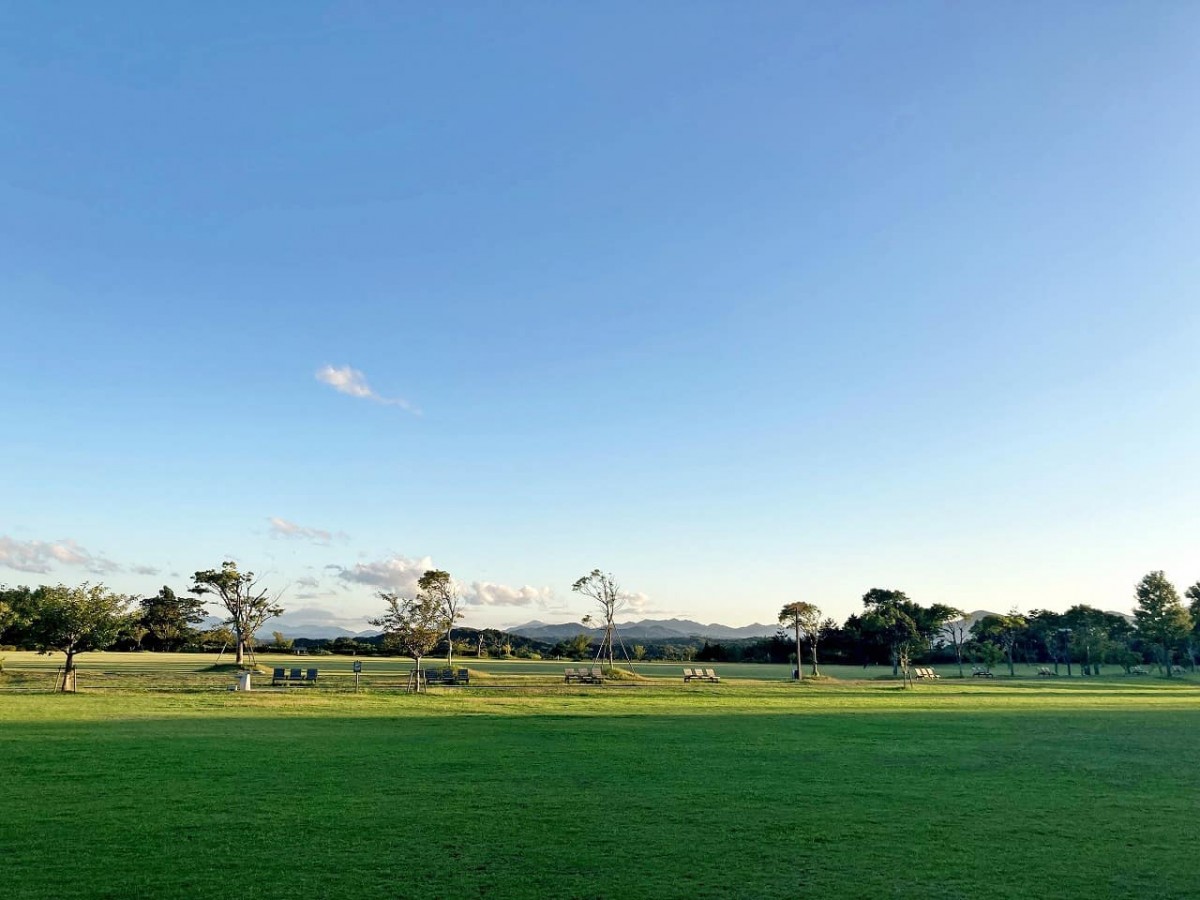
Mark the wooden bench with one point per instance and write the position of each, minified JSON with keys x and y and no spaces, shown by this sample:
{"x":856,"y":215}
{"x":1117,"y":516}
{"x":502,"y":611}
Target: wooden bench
{"x":295,"y":676}
{"x":1138,"y":670}
{"x":1046,"y":672}
{"x":924,"y":672}
{"x":982,"y":673}
{"x":446,"y":676}
{"x":700,"y":675}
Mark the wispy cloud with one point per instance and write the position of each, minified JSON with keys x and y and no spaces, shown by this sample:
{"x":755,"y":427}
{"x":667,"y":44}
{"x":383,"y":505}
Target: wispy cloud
{"x":144,"y":570}
{"x":282,"y":528}
{"x":41,"y":556}
{"x":353,"y":383}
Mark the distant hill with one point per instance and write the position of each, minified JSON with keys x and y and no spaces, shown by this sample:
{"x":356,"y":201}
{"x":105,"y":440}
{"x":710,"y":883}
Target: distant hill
{"x":647,"y":629}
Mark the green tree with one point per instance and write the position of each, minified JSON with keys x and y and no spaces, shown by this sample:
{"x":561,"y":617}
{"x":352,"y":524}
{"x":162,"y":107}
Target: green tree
{"x":169,"y":618}
{"x":246,"y":604}
{"x":441,"y":587}
{"x":905,"y":627}
{"x":639,"y":652}
{"x":1160,"y":616}
{"x":280,"y":643}
{"x":74,"y":620}
{"x":411,"y":625}
{"x":1193,"y":639}
{"x":1003,"y":631}
{"x":1090,"y":634}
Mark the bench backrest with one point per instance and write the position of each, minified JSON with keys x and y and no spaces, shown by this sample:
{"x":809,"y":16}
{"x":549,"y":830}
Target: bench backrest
{"x":312,"y":675}
{"x":296,"y":674}
{"x":278,"y":673}
{"x":712,"y":673}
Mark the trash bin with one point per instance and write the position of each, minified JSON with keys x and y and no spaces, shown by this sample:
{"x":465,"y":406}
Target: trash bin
{"x":243,"y":681}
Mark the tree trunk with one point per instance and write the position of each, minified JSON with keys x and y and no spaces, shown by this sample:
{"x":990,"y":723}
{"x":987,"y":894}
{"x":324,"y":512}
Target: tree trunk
{"x":816,"y":672}
{"x":241,"y":651}
{"x":1011,"y":671}
{"x":895,"y":662}
{"x":958,"y":656}
{"x":799,"y":655}
{"x":1167,"y":659}
{"x":69,"y":672}
{"x":449,"y":648}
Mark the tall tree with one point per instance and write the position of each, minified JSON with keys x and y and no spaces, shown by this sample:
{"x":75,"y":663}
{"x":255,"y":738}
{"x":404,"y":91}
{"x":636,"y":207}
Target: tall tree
{"x":804,"y":619}
{"x":246,"y":604}
{"x":441,"y":587}
{"x":905,"y":627}
{"x":1193,"y":641}
{"x":604,"y":591}
{"x":957,"y":630}
{"x":1090,"y":634}
{"x":74,"y":620}
{"x":411,"y":625}
{"x":1160,"y":616}
{"x":169,"y":618}
{"x":1003,"y":631}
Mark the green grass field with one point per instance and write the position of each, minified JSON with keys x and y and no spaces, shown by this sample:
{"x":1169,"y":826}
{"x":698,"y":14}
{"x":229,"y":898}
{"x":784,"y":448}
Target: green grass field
{"x":752,"y":788}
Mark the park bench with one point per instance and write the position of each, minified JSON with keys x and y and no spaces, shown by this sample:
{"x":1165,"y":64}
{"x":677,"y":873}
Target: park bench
{"x":1137,"y":670}
{"x":594,"y":675}
{"x":688,"y":675}
{"x":982,"y":673}
{"x":446,"y":676}
{"x":570,"y":675}
{"x":1046,"y":672}
{"x":923,"y":672}
{"x":700,"y":675}
{"x":710,"y":675}
{"x":295,"y":676}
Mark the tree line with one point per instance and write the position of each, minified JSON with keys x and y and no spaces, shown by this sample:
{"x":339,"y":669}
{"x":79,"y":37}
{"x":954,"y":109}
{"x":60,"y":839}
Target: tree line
{"x":890,"y":629}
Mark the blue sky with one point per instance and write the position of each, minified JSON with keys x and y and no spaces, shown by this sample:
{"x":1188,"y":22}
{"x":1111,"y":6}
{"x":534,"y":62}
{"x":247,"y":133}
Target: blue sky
{"x":744,"y":302}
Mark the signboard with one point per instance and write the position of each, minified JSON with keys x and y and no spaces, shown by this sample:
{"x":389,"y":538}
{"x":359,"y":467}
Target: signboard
{"x":357,"y":666}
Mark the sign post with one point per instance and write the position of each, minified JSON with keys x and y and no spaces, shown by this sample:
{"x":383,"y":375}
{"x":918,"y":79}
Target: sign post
{"x":357,"y":673}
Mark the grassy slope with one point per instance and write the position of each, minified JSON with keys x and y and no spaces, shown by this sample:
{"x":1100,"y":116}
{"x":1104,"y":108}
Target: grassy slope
{"x":953,"y":790}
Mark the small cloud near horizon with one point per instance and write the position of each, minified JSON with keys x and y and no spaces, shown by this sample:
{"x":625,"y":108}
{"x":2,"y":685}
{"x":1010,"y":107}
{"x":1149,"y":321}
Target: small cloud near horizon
{"x":282,"y":528}
{"x":353,"y":383}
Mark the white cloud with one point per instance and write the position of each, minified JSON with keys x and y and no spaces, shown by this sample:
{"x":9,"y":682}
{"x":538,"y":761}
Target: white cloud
{"x":353,"y":383}
{"x":397,"y":573}
{"x":282,"y":528}
{"x":144,"y":570}
{"x":487,"y":593}
{"x":400,"y":574}
{"x":307,"y":581}
{"x":41,"y":556}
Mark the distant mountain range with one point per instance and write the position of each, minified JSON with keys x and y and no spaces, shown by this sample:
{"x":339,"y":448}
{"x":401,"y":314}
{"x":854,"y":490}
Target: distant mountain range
{"x":647,"y":629}
{"x":297,"y":628}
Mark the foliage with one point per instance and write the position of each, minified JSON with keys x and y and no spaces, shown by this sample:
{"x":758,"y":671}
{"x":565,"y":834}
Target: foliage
{"x":247,"y":605}
{"x":170,"y":618}
{"x":1160,"y":616}
{"x":411,"y":625}
{"x":74,"y":620}
{"x":442,"y":589}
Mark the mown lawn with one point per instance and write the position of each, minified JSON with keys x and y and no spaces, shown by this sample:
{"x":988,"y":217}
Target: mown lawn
{"x":952,"y":790}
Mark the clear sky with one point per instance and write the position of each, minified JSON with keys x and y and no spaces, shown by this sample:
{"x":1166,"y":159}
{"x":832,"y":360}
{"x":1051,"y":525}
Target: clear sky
{"x":744,"y":302}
